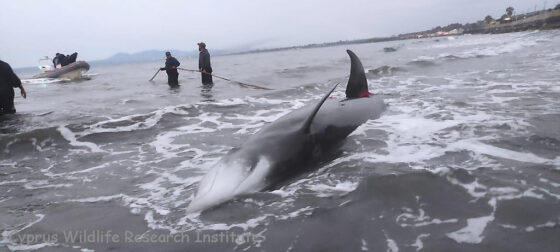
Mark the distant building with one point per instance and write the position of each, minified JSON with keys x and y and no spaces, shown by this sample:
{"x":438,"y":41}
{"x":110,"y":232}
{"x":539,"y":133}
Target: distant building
{"x":505,"y":19}
{"x":456,"y":31}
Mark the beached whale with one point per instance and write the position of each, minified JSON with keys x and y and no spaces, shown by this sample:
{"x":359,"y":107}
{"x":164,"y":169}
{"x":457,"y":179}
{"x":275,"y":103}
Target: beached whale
{"x":289,"y":145}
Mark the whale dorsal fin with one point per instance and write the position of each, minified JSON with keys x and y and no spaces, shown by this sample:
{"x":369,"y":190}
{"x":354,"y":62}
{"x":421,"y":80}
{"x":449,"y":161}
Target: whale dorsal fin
{"x":357,"y":84}
{"x":307,"y":125}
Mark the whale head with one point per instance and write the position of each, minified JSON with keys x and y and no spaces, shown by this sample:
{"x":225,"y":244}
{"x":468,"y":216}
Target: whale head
{"x":227,"y":179}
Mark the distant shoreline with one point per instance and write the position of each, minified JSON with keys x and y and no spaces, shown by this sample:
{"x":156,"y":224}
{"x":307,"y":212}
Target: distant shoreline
{"x":543,"y":20}
{"x":546,"y":20}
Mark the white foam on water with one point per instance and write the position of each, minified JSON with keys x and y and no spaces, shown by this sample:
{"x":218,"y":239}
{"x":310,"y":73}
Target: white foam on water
{"x":228,"y":102}
{"x":416,"y":138}
{"x":508,"y":226}
{"x":391,"y":244}
{"x":418,"y":244}
{"x":548,"y":224}
{"x":342,"y":188}
{"x":159,"y":197}
{"x":481,"y":148}
{"x":499,"y":191}
{"x":503,"y":100}
{"x":474,"y":188}
{"x":25,"y":247}
{"x":555,"y":89}
{"x":266,"y":100}
{"x":472,"y":233}
{"x":364,"y":245}
{"x":42,"y":81}
{"x":97,"y":199}
{"x":71,"y":137}
{"x":409,"y":219}
{"x":452,"y":44}
{"x":549,"y":182}
{"x":281,"y":193}
{"x":149,"y":120}
{"x":410,"y":139}
{"x":7,"y":236}
{"x":192,"y":222}
{"x":13,"y":182}
{"x":506,"y":47}
{"x":548,"y":192}
{"x":7,"y":149}
{"x":6,"y":199}
{"x":41,"y":184}
{"x":163,"y":143}
{"x":105,"y":165}
{"x":478,"y":46}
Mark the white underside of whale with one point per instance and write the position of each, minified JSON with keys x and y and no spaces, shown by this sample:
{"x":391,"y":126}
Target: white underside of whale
{"x":227,"y":180}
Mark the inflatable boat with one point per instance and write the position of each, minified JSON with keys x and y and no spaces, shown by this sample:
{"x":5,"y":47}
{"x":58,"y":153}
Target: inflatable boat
{"x":72,"y":71}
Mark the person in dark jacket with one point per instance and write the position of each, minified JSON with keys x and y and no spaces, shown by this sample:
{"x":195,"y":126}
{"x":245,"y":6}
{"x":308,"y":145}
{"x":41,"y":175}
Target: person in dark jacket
{"x":55,"y":60}
{"x":171,"y":64}
{"x":8,"y":81}
{"x":72,"y":58}
{"x":65,"y":60}
{"x":59,"y":60}
{"x":204,"y":65}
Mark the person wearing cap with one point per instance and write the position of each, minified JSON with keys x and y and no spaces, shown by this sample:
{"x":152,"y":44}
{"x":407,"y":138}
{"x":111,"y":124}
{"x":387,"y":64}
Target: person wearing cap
{"x":171,"y":64}
{"x":8,"y":81}
{"x":204,"y":65}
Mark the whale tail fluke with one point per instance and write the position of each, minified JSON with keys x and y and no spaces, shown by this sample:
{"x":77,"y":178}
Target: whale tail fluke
{"x":357,"y":83}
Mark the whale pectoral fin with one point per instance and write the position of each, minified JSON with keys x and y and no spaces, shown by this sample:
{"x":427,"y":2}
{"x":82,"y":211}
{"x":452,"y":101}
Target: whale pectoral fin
{"x":357,"y":83}
{"x":307,"y":124}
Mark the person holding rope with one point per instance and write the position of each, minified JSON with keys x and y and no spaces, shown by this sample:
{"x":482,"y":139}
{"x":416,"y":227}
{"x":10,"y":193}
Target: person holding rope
{"x":204,"y":65}
{"x":171,"y":64}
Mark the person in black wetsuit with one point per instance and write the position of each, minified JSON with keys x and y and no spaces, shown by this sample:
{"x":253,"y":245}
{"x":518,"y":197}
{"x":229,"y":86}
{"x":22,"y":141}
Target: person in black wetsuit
{"x":8,"y":81}
{"x":204,"y":65}
{"x":171,"y":64}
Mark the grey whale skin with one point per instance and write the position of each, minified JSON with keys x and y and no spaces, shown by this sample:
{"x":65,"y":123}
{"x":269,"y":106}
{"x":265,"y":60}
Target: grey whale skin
{"x":286,"y":146}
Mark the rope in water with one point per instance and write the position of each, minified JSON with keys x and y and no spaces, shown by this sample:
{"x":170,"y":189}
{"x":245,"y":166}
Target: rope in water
{"x":223,"y":78}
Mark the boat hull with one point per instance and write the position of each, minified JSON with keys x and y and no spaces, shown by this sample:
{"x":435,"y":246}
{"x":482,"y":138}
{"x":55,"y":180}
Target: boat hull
{"x":72,"y":71}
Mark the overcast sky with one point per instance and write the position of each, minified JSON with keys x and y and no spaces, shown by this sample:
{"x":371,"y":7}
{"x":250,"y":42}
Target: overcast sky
{"x":98,"y":29}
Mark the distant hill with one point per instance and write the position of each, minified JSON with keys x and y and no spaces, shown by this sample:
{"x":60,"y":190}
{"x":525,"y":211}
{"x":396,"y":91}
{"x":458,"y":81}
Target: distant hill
{"x":149,"y":55}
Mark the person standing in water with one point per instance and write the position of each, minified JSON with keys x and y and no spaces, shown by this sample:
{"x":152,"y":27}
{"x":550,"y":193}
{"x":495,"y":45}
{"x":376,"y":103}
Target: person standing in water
{"x":171,"y":64}
{"x":8,"y":81}
{"x":204,"y":65}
